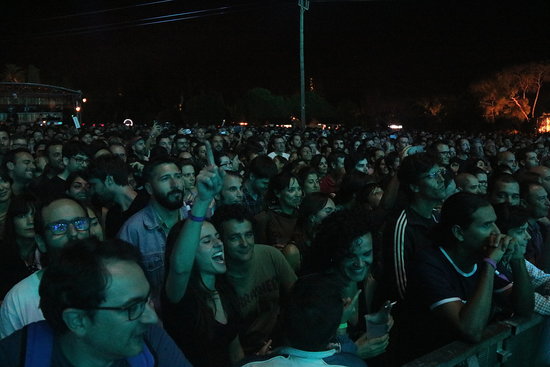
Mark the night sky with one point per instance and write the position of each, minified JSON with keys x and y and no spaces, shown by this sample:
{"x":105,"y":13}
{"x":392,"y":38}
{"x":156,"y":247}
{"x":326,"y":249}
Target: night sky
{"x":394,"y":48}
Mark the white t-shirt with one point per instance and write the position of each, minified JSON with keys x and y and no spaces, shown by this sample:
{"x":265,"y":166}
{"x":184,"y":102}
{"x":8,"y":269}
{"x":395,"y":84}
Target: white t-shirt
{"x":21,"y":305}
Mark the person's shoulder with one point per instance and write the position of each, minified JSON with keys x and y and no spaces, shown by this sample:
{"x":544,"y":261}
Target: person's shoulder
{"x":265,"y":251}
{"x":30,"y":282}
{"x":163,"y":347}
{"x":138,"y":217}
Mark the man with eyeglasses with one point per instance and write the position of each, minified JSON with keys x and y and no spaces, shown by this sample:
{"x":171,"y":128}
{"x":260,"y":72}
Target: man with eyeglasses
{"x":423,"y":180}
{"x":98,"y":310}
{"x":441,"y":152}
{"x":56,"y":223}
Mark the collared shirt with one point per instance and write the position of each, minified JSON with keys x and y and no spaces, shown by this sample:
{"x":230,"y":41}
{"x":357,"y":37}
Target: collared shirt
{"x":146,"y":231}
{"x":541,"y":284}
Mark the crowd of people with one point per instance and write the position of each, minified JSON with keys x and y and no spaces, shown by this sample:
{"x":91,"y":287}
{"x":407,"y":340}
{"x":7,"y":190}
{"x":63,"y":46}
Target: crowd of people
{"x":265,"y":246}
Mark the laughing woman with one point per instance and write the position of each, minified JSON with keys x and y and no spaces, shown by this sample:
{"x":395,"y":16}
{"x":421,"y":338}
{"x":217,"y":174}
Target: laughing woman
{"x":198,"y":305}
{"x":276,"y":225}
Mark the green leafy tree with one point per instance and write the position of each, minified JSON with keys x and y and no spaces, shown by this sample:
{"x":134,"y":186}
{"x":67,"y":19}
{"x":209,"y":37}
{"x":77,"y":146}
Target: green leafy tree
{"x":261,"y":106}
{"x":206,"y":109}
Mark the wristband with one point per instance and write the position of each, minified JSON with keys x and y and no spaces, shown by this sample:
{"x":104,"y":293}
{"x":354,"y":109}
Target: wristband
{"x":343,"y":325}
{"x":491,"y":262}
{"x":196,"y":219}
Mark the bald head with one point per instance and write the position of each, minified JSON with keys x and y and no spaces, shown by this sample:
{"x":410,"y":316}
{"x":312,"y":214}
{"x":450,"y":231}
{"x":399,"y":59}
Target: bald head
{"x":544,"y":173}
{"x":467,"y":182}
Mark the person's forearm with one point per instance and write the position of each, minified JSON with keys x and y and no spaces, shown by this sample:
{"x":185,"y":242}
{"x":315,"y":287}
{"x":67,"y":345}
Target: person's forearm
{"x":523,"y":300}
{"x":183,"y":254}
{"x":474,"y":315}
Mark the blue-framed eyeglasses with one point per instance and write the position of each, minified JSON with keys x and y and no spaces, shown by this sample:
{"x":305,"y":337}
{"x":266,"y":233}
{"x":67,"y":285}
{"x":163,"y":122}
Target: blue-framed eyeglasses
{"x":61,"y":227}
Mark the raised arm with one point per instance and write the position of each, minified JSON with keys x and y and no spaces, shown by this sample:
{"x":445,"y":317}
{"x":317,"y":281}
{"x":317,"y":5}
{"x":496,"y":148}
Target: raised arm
{"x":209,"y":183}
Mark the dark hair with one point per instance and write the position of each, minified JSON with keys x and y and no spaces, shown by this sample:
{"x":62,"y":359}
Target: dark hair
{"x":272,"y":141}
{"x":312,"y":312}
{"x":457,"y":210}
{"x":73,"y":148}
{"x":262,"y":167}
{"x":509,"y":217}
{"x":79,"y":277}
{"x":304,"y":172}
{"x":277,"y":184}
{"x":311,"y":204}
{"x":335,"y":236}
{"x":10,"y":156}
{"x":354,"y":158}
{"x":109,"y":165}
{"x":501,"y":177}
{"x":333,"y":158}
{"x":316,"y":160}
{"x":229,"y":212}
{"x":19,"y":205}
{"x":413,"y":167}
{"x":73,"y":176}
{"x":351,"y":185}
{"x":525,"y":187}
{"x":152,"y":165}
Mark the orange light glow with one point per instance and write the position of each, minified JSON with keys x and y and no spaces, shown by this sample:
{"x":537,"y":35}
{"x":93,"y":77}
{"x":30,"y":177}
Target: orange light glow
{"x":77,"y":109}
{"x":544,"y":126}
{"x":243,"y":123}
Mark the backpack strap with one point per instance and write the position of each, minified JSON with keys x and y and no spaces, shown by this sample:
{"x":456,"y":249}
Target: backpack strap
{"x":39,"y":346}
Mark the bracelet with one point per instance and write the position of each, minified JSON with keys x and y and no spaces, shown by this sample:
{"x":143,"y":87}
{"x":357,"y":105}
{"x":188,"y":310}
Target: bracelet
{"x":343,"y":325}
{"x":196,"y":219}
{"x":491,"y":262}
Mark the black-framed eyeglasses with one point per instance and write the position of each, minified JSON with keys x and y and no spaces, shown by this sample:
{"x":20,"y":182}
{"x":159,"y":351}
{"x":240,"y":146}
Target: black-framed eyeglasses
{"x":434,"y":174}
{"x":61,"y":227}
{"x":134,"y":310}
{"x":81,"y":160}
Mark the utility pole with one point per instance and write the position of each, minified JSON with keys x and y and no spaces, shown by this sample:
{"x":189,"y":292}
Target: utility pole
{"x":304,"y":5}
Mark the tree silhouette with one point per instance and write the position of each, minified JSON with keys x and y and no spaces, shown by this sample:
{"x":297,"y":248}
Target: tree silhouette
{"x":512,"y":93}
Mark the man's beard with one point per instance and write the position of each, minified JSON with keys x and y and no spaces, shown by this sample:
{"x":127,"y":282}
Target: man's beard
{"x":170,"y":201}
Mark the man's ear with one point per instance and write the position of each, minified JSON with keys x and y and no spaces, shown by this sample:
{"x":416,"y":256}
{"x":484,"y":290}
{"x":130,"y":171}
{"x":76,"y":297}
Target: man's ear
{"x":148,"y":188}
{"x":109,"y":181}
{"x":10,"y":166}
{"x":414,"y":188}
{"x":76,"y":320}
{"x":458,"y":232}
{"x":65,"y":161}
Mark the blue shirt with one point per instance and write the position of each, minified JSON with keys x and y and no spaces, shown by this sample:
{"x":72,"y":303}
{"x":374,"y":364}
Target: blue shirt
{"x":148,"y":232}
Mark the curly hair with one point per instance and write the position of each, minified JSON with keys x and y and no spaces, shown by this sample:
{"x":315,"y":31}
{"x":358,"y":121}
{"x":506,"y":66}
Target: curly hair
{"x":335,"y":236}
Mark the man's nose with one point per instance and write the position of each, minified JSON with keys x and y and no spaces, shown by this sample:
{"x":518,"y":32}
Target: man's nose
{"x":72,"y":232}
{"x":149,"y":315}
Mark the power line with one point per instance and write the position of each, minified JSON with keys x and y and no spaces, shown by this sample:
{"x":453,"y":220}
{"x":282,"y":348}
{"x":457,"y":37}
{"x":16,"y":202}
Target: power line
{"x":175,"y":17}
{"x":108,"y":10}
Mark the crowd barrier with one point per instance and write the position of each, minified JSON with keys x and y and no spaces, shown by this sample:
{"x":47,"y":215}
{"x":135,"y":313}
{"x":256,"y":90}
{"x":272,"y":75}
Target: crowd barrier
{"x":511,"y":343}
